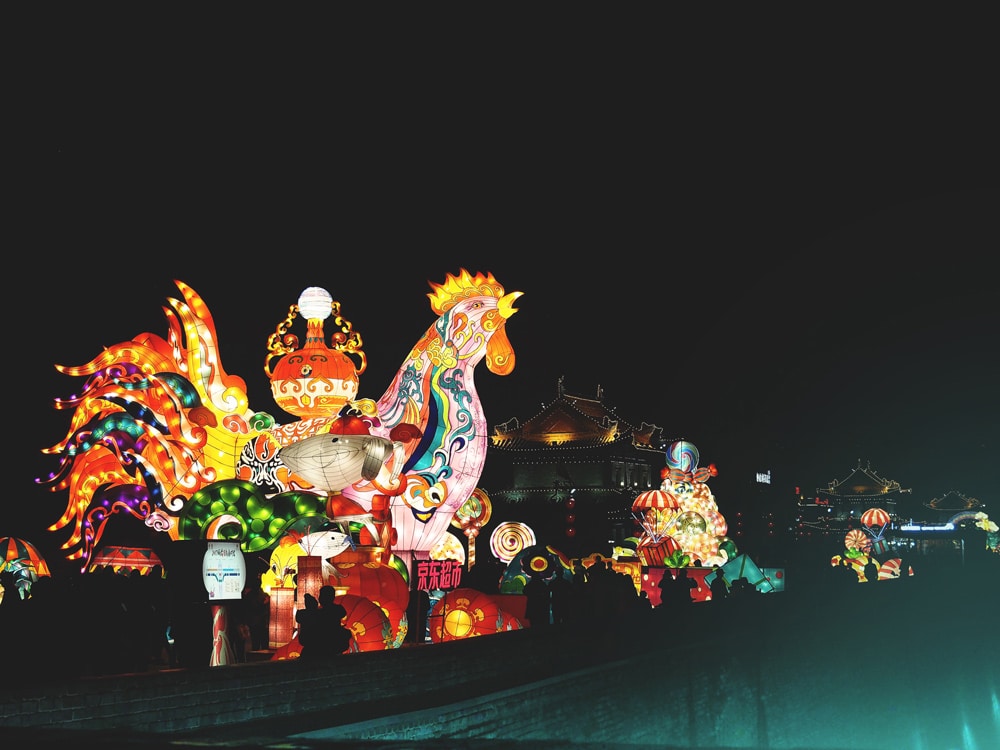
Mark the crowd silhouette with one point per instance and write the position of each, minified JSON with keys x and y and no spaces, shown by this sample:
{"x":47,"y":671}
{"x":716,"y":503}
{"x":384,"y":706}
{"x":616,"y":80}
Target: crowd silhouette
{"x":108,"y":622}
{"x":95,"y":623}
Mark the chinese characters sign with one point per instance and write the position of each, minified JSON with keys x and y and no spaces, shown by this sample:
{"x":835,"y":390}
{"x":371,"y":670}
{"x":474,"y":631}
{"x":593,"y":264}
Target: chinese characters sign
{"x":437,"y":574}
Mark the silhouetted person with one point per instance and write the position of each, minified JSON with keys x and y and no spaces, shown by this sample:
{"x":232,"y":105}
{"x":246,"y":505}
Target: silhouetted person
{"x":643,"y":604}
{"x":600,"y":594}
{"x":330,"y":637}
{"x":718,"y":587}
{"x":258,"y":613}
{"x":561,"y":595}
{"x":416,"y":616}
{"x":537,"y":609}
{"x":741,"y":589}
{"x":307,"y":620}
{"x":871,"y":571}
{"x":675,"y":588}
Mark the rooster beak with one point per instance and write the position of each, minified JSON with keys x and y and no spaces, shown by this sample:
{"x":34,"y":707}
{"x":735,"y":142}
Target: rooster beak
{"x":505,"y":305}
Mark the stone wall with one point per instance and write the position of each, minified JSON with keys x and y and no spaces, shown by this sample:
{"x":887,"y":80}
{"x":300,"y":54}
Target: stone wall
{"x":351,"y":687}
{"x":869,"y":666}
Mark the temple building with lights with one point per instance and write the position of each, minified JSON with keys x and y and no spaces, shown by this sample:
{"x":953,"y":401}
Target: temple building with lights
{"x":571,"y":471}
{"x":939,"y":526}
{"x":836,"y":509}
{"x":943,"y":525}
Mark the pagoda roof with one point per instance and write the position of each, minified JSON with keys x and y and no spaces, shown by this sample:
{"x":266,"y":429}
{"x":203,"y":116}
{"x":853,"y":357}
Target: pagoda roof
{"x":575,"y":421}
{"x":863,"y":483}
{"x":953,"y":501}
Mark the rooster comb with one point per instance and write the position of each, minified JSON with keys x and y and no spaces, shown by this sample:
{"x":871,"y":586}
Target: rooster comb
{"x":456,"y":288}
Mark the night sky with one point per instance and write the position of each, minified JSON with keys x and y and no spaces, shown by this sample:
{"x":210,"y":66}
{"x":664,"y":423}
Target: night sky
{"x":786,"y":295}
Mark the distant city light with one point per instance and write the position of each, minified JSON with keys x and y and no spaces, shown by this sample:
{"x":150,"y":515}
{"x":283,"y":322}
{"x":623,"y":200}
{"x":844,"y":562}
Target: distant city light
{"x":928,"y":527}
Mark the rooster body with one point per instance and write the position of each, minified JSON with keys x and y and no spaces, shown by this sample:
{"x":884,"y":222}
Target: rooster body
{"x":435,"y":390}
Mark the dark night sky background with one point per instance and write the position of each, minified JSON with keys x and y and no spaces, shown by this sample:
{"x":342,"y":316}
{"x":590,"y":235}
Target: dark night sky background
{"x":793,"y":286}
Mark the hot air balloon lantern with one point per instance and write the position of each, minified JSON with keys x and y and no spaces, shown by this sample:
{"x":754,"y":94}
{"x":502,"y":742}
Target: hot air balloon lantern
{"x":875,"y":521}
{"x":655,"y":511}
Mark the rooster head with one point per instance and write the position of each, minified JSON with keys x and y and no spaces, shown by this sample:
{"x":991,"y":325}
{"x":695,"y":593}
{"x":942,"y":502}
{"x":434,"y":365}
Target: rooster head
{"x":456,"y":289}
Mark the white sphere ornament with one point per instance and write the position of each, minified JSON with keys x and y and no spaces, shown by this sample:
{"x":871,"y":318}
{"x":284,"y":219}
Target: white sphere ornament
{"x":315,"y":303}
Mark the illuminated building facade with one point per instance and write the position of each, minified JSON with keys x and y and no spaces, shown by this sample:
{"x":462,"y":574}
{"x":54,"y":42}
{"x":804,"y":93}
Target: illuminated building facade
{"x":939,"y":527}
{"x":837,"y":508}
{"x":572,"y":471}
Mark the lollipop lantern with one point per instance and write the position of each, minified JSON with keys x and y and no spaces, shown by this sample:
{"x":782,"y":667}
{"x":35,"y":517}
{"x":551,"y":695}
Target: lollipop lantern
{"x":682,"y":455}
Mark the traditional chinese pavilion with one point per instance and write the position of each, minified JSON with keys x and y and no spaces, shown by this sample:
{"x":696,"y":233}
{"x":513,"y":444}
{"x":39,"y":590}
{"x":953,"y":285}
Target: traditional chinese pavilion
{"x":838,"y":507}
{"x":571,"y":472}
{"x":952,"y":506}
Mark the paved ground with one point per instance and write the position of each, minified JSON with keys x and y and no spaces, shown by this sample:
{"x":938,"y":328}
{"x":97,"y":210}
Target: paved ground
{"x":915,"y":667}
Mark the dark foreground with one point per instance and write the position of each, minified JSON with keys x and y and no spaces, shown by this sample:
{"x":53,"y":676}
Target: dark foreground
{"x":912,"y":666}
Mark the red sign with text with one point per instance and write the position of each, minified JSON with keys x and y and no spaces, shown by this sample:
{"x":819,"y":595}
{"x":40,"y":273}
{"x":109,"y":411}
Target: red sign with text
{"x":443,"y":575}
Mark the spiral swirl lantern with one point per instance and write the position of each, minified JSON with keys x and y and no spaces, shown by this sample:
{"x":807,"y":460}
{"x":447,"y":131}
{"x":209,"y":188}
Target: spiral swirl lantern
{"x":510,"y":538}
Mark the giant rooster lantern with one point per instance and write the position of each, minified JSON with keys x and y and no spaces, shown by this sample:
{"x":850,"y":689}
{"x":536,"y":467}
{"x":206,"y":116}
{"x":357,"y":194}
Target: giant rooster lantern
{"x":161,"y":432}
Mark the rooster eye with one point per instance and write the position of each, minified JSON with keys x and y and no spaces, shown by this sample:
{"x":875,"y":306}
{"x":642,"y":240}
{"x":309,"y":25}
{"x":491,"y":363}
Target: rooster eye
{"x":307,"y":370}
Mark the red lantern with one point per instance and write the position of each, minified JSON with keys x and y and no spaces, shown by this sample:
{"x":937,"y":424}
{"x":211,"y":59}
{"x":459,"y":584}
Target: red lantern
{"x":571,"y":502}
{"x":570,"y":532}
{"x":381,"y":583}
{"x":571,"y":518}
{"x":368,"y":623}
{"x":464,"y":613}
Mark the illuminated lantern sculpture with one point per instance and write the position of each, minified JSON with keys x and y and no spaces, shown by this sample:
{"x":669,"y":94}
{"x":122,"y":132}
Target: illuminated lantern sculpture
{"x":471,"y":517}
{"x":448,"y":547}
{"x":464,"y":613}
{"x":19,"y":551}
{"x":331,"y":461}
{"x":281,"y":625}
{"x":857,"y":539}
{"x":315,"y":381}
{"x":875,"y":521}
{"x":509,"y":539}
{"x":992,"y":531}
{"x":368,"y":623}
{"x":167,"y":404}
{"x":24,"y":562}
{"x":696,"y":524}
{"x":434,"y":392}
{"x":381,"y":584}
{"x":890,"y":569}
{"x":656,"y":552}
{"x":654,"y":511}
{"x":126,"y":559}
